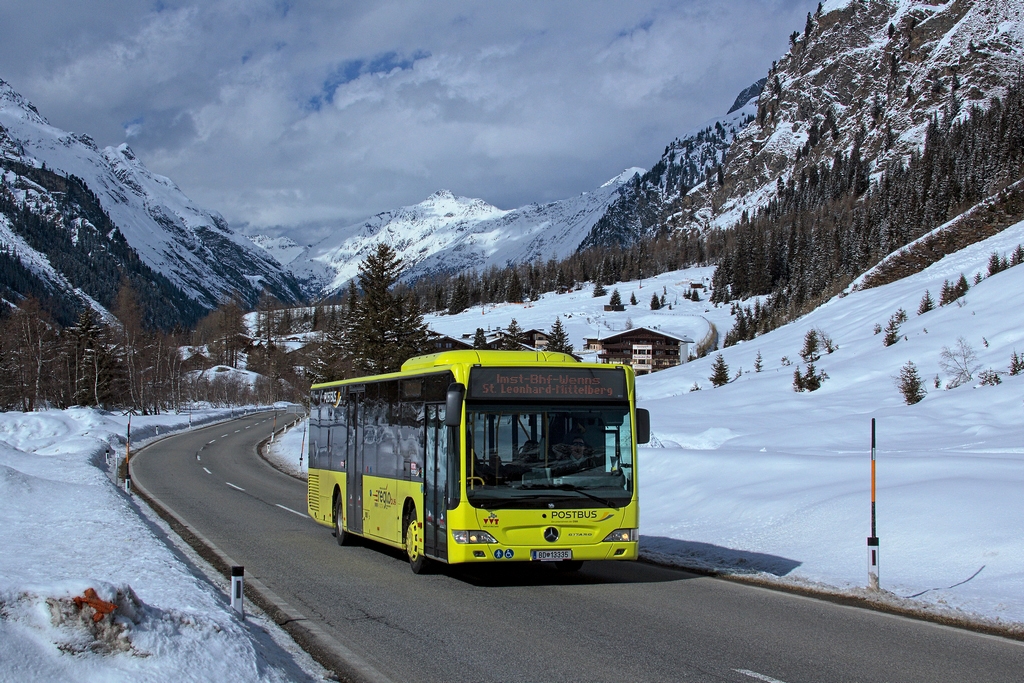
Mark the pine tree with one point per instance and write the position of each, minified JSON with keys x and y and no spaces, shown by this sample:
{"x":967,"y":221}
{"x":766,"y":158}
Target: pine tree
{"x":1016,"y":363}
{"x":388,"y":326}
{"x":460,"y":297}
{"x":632,"y":299}
{"x":927,"y":303}
{"x":910,"y":385}
{"x":480,"y":340}
{"x":599,"y":290}
{"x":892,"y":331}
{"x":758,"y":364}
{"x":810,"y":350}
{"x":719,"y":372}
{"x":655,"y":302}
{"x":994,"y":264}
{"x":558,"y":339}
{"x":513,"y":339}
{"x":616,"y":299}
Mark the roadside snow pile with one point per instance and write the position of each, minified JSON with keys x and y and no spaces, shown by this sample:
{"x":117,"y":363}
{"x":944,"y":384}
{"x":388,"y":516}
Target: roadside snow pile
{"x":755,"y":477}
{"x":288,"y":451}
{"x":87,"y":589}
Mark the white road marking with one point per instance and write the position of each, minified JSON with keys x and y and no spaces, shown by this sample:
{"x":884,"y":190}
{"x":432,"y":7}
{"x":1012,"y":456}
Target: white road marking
{"x":760,"y":677}
{"x":289,"y":510}
{"x":209,"y":442}
{"x":223,"y":435}
{"x":233,"y":486}
{"x":207,"y":471}
{"x":237,"y":430}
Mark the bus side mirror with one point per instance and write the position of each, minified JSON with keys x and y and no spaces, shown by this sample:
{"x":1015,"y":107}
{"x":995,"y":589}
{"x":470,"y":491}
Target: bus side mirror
{"x":643,"y":425}
{"x":453,"y":406}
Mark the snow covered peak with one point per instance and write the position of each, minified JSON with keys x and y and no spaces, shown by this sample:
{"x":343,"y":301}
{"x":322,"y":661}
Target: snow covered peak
{"x":13,"y":104}
{"x":448,"y":233}
{"x":625,"y":176}
{"x":192,"y":247}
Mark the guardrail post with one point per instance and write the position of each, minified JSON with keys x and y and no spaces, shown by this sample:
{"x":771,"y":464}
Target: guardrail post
{"x":237,"y":589}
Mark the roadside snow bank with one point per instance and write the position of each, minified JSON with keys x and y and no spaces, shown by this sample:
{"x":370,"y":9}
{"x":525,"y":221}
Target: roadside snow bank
{"x":87,"y":589}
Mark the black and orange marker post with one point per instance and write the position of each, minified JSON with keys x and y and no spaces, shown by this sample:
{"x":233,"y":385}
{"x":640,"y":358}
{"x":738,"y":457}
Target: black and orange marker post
{"x":873,"y":538}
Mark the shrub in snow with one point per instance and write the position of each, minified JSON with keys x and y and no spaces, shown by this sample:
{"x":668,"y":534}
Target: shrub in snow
{"x":719,"y":372}
{"x":989,"y":378}
{"x":909,"y":383}
{"x":695,"y":387}
{"x":1016,"y":363}
{"x":758,"y":365}
{"x":810,"y":380}
{"x":960,"y":362}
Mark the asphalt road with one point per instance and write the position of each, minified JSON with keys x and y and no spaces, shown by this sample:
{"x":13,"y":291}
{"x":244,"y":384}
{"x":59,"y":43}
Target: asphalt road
{"x":611,"y":622}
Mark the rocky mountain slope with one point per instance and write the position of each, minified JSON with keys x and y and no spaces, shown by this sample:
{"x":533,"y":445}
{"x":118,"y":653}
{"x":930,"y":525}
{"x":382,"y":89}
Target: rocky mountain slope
{"x":193,"y":249}
{"x":640,"y":208}
{"x":449,"y":234}
{"x":863,"y":78}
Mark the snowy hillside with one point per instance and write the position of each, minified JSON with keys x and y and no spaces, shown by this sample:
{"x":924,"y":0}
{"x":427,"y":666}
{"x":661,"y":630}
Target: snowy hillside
{"x":450,"y":234}
{"x":192,"y":247}
{"x":754,"y":477}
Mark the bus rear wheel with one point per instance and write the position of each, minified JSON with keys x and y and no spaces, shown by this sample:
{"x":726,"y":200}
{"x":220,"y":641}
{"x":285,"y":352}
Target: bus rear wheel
{"x":414,"y":545}
{"x":569,"y":565}
{"x":339,"y":527}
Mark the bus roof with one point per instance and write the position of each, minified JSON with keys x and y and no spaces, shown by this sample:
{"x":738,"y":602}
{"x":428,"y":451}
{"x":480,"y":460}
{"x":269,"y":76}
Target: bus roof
{"x":475,"y":357}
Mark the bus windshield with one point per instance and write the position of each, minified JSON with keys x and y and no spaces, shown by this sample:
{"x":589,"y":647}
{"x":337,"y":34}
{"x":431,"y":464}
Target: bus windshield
{"x":536,"y":456}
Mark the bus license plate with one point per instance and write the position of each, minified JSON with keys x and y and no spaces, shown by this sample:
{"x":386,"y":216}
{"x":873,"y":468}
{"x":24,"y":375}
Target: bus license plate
{"x":550,"y":555}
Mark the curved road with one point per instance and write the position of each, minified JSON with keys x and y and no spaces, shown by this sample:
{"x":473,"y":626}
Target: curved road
{"x":611,"y":622}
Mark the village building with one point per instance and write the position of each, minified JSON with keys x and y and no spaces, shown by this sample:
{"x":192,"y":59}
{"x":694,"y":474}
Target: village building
{"x":646,"y":350}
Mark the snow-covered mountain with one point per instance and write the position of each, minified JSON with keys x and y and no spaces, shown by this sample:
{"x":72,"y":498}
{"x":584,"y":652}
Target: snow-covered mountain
{"x":865,"y":78}
{"x":450,"y":234}
{"x":192,"y":247}
{"x":640,"y":208}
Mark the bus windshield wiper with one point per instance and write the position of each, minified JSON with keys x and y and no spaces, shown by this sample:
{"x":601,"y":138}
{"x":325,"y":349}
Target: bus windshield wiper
{"x":576,"y":489}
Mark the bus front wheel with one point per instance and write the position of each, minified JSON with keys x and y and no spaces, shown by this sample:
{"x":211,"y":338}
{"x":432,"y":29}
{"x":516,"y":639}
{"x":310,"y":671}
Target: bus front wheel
{"x":414,"y":546}
{"x":339,"y":527}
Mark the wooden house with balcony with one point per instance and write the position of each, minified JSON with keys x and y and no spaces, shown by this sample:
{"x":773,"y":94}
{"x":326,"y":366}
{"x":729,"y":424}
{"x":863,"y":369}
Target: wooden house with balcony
{"x":645,"y":349}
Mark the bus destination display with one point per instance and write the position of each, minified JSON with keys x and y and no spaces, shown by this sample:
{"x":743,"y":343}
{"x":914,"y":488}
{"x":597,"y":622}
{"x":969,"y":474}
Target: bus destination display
{"x":543,"y":383}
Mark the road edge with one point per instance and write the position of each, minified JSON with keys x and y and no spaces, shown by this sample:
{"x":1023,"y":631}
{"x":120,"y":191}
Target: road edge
{"x":885,"y":602}
{"x":320,"y":645}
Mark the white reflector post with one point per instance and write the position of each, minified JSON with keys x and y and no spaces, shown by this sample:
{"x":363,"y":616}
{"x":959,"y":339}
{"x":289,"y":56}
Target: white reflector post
{"x":237,"y":589}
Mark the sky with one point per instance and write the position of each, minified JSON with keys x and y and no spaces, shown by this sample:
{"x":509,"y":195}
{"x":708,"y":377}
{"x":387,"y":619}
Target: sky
{"x":303,"y":115}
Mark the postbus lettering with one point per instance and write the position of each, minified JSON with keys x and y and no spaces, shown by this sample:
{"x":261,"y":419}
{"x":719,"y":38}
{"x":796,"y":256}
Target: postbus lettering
{"x":574,"y":514}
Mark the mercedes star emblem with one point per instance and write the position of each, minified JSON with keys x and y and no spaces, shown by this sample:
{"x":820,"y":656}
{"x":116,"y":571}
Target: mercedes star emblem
{"x":551,"y":534}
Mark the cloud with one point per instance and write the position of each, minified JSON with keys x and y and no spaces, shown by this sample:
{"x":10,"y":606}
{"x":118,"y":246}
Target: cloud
{"x":318,"y":114}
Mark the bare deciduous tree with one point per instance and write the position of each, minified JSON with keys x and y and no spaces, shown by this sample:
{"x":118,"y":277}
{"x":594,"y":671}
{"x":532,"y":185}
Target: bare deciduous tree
{"x":960,"y":363}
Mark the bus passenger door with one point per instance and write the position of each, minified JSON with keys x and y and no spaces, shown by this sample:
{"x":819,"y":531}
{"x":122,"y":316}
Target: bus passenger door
{"x":435,"y":476}
{"x":354,"y":465}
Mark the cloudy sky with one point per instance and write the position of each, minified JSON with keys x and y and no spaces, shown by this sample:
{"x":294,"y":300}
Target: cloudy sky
{"x":291,"y":113}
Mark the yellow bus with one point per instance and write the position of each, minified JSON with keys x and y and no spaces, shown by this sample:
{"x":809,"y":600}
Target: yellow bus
{"x":481,"y":456}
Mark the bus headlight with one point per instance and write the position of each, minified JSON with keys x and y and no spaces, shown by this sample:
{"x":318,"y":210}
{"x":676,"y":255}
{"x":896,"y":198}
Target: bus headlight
{"x":623,"y":536}
{"x":473,"y":537}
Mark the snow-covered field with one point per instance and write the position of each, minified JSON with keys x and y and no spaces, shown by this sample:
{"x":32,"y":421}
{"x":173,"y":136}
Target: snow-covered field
{"x":750,"y":477}
{"x":66,"y":528}
{"x":753,"y":477}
